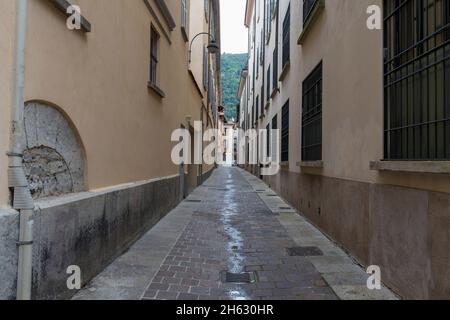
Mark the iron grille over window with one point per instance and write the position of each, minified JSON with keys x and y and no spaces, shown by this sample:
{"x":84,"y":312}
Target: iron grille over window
{"x":153,"y":55}
{"x":312,"y":116}
{"x":417,"y":79}
{"x":285,"y":133}
{"x":308,"y":8}
{"x":287,"y":36}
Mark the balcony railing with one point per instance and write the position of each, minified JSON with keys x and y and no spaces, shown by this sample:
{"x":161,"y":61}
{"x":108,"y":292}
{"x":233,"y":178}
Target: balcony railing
{"x":308,"y":8}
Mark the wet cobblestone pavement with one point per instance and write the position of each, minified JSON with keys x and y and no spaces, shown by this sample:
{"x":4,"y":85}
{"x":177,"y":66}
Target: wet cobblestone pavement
{"x":233,"y":239}
{"x":232,"y":230}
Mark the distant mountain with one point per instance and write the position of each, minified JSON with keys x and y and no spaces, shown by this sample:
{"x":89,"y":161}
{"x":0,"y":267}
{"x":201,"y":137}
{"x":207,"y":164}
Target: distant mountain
{"x":232,"y":65}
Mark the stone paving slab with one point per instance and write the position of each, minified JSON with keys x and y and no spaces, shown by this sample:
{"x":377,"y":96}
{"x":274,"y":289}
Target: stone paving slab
{"x":233,"y":223}
{"x":341,"y":272}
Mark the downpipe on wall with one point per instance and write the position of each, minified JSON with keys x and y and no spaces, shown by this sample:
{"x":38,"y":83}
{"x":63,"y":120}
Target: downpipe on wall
{"x":17,"y":182}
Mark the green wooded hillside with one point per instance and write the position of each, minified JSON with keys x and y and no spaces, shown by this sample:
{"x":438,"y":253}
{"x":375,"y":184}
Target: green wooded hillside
{"x":232,"y":65}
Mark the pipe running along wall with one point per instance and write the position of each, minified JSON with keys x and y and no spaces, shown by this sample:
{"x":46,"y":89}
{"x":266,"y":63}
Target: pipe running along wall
{"x":17,"y":182}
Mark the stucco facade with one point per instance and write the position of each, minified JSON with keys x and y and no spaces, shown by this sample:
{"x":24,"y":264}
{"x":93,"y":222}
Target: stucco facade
{"x":394,"y":214}
{"x":94,"y":114}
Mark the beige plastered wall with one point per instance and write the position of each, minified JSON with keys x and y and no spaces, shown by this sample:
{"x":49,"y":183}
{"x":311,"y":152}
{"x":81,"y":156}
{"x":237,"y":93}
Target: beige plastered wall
{"x":7,"y":34}
{"x":99,"y":80}
{"x":352,"y":94}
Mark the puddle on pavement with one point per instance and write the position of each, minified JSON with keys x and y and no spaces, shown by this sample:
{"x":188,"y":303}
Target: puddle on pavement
{"x":236,"y":261}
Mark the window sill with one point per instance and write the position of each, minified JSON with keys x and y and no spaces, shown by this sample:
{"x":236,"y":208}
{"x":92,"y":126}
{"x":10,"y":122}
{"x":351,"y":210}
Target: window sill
{"x":284,"y":164}
{"x":156,"y":89}
{"x":310,"y":164}
{"x":274,"y":93}
{"x":308,"y":24}
{"x":412,"y":166}
{"x":284,"y":72}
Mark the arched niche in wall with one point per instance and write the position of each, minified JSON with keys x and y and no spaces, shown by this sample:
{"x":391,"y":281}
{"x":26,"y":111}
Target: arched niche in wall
{"x":53,"y":156}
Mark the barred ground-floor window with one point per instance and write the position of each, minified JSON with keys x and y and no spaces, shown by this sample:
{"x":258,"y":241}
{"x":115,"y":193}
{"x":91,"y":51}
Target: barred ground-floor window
{"x":417,"y":79}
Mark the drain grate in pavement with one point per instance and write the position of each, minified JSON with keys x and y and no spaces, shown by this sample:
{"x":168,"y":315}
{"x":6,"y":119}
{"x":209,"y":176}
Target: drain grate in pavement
{"x":304,"y":252}
{"x":193,"y":200}
{"x":272,"y":195}
{"x":243,"y":277}
{"x":285,"y":208}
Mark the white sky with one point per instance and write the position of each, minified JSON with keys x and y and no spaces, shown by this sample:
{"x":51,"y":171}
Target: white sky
{"x":234,"y":33}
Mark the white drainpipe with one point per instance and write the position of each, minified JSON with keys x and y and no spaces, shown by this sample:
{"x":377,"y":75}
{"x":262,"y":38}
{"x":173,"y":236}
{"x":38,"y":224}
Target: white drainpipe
{"x":22,"y":200}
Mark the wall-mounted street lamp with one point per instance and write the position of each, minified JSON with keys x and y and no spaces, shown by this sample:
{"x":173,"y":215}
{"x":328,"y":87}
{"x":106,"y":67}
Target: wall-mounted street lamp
{"x":212,"y":47}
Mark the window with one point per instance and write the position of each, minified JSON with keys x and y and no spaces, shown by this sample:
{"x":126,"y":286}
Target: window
{"x":257,"y":62}
{"x":416,"y":80}
{"x":268,"y":20}
{"x":268,"y":84}
{"x":275,"y":69}
{"x":257,"y":108}
{"x":274,"y":143}
{"x":262,"y":99}
{"x":268,"y":140}
{"x":285,"y":133}
{"x":154,"y":41}
{"x":308,"y":9}
{"x":257,"y":9}
{"x":184,"y":20}
{"x":312,"y":116}
{"x":205,"y":67}
{"x":287,"y":36}
{"x":272,"y":8}
{"x":253,"y":116}
{"x":207,"y":10}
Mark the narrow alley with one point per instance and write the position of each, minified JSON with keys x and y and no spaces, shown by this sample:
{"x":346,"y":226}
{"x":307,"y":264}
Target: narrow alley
{"x":233,"y":239}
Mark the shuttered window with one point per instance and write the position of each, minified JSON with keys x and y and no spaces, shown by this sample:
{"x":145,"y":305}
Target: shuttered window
{"x":184,"y":19}
{"x":205,"y":67}
{"x":268,"y":84}
{"x":154,"y":41}
{"x":275,"y":69}
{"x":287,"y":36}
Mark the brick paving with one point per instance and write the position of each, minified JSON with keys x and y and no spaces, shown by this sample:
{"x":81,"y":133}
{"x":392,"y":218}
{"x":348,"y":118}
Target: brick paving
{"x":232,"y":230}
{"x":233,"y":223}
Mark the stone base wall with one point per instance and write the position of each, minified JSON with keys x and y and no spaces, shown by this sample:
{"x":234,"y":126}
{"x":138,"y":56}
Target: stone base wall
{"x":404,"y":231}
{"x":91,"y":229}
{"x":9,"y":234}
{"x":205,"y":176}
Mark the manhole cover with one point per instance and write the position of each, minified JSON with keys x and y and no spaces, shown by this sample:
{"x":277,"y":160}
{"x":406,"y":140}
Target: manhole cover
{"x":304,"y":252}
{"x":243,"y":277}
{"x":191,"y":200}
